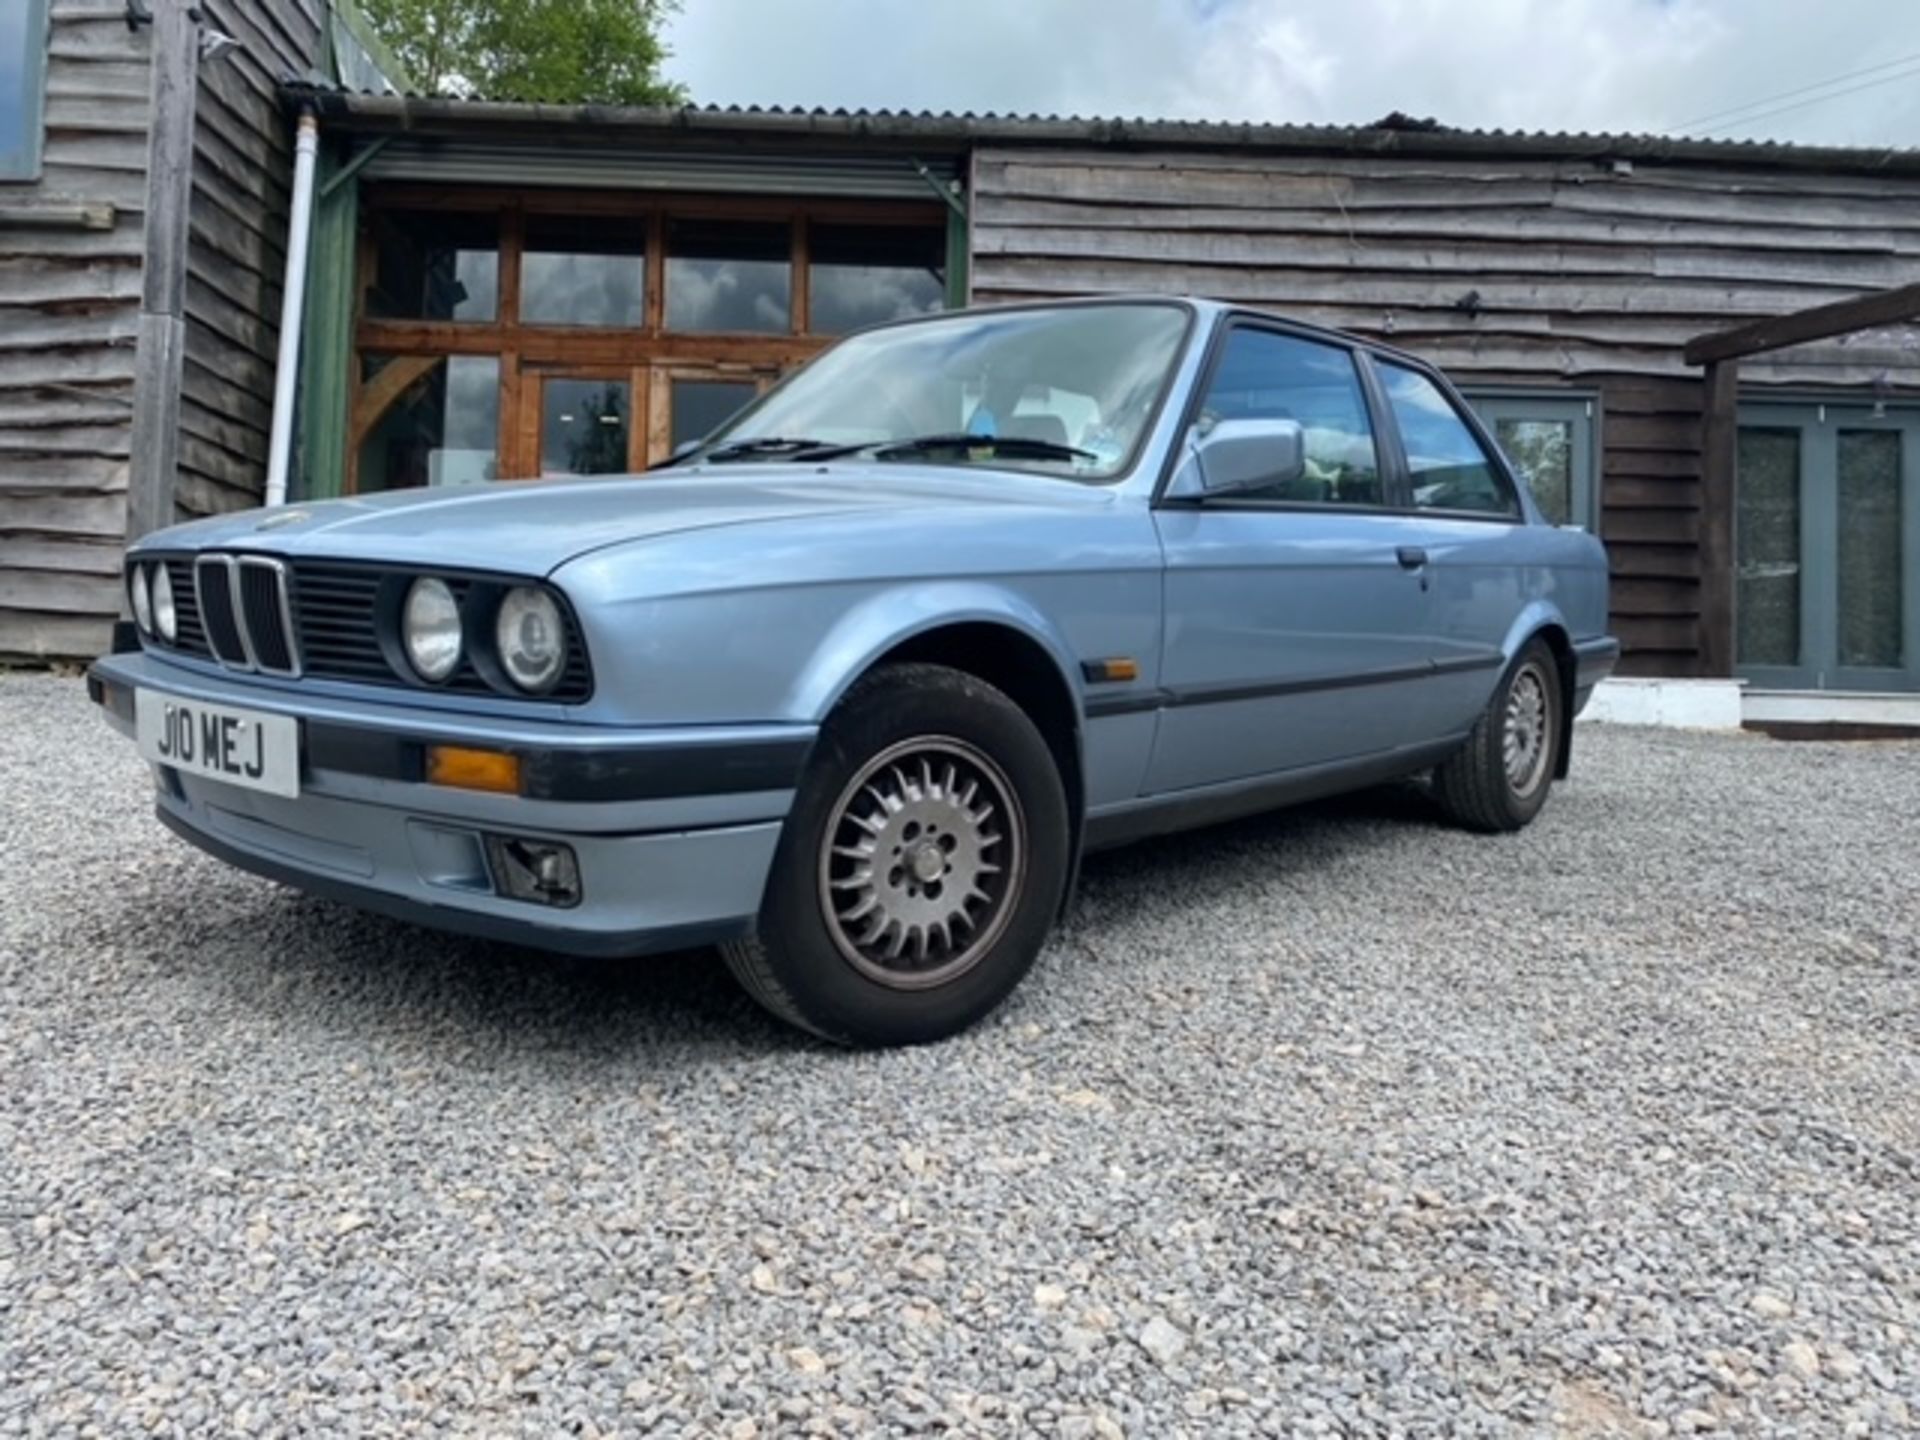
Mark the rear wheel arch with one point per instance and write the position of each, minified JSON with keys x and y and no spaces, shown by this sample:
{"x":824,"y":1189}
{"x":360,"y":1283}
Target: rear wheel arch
{"x":1561,"y":644}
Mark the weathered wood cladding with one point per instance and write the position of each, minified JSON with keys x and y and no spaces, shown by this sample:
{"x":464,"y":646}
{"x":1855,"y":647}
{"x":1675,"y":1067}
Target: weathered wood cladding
{"x":1529,"y":271}
{"x":1548,"y":267}
{"x":243,"y":168}
{"x":69,"y":301}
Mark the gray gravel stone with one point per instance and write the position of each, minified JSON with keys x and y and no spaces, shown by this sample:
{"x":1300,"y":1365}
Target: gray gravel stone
{"x":1403,"y":1131}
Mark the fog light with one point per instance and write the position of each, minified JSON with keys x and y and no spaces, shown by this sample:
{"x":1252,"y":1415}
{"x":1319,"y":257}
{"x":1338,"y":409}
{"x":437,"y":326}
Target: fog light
{"x":539,"y":871}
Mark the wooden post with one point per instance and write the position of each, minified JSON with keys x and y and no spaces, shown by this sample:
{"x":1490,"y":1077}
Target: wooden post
{"x":1719,"y":452}
{"x":161,"y":344}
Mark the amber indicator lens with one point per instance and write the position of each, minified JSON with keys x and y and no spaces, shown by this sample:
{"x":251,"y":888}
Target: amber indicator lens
{"x":463,"y":769}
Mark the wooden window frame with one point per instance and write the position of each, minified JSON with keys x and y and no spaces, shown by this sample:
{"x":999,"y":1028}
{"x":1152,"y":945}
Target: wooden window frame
{"x":529,"y":353}
{"x":660,"y":396}
{"x":530,"y":392}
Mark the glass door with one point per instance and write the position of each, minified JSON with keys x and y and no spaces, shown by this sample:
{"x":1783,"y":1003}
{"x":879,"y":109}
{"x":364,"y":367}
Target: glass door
{"x":581,"y":422}
{"x":1827,"y":548}
{"x":689,"y":403}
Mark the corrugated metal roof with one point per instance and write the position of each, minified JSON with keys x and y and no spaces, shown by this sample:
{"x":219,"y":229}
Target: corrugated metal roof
{"x":1394,"y":134}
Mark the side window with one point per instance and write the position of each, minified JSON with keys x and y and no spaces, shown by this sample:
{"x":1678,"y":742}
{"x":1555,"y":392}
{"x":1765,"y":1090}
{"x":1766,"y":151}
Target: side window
{"x":1263,"y":375}
{"x":1446,"y":463}
{"x":23,"y":73}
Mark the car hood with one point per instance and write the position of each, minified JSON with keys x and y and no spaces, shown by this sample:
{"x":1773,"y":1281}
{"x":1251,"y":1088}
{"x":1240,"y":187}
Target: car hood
{"x":533,"y":527}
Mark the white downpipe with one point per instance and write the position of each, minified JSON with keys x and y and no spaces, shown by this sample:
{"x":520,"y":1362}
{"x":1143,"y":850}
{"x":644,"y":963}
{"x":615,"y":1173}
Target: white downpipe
{"x":293,"y":310}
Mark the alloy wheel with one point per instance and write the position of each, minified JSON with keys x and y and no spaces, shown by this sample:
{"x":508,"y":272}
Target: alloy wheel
{"x":922,"y":863}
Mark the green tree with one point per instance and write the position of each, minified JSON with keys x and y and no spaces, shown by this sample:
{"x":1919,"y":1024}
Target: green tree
{"x":604,"y":52}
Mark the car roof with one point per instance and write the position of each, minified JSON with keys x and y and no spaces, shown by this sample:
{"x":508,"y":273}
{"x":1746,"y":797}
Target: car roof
{"x":1204,"y":307}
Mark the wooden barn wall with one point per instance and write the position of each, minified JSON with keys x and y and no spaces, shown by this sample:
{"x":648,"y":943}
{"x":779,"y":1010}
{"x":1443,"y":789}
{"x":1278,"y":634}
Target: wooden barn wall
{"x":69,"y":299}
{"x":1542,"y":272}
{"x":243,"y":168}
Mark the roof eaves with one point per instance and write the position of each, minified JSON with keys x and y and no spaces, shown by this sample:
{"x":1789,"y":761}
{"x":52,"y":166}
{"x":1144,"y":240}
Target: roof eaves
{"x":376,"y":113}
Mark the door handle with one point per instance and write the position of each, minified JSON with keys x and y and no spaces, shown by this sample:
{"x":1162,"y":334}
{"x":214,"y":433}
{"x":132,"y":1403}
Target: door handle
{"x":1412,"y":557}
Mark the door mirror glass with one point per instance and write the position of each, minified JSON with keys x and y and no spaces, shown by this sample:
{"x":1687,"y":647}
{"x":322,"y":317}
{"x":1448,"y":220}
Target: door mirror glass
{"x":1240,"y":457}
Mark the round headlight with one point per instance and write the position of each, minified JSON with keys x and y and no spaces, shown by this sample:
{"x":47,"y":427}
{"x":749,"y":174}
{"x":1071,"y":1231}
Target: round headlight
{"x":430,"y":627}
{"x":165,"y":618}
{"x":142,"y":598}
{"x":531,"y":639}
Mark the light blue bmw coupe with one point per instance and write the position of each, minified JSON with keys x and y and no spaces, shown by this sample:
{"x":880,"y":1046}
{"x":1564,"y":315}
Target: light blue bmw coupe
{"x":850,"y":687}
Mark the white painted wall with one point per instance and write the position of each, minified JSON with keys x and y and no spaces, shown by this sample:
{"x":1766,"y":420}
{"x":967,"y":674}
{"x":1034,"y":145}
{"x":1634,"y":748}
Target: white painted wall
{"x":1683,"y":704}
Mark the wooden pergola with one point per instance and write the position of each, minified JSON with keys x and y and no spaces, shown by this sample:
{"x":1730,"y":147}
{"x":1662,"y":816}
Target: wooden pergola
{"x":1721,"y":352}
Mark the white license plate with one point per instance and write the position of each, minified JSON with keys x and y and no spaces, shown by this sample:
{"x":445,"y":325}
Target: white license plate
{"x":219,"y":742}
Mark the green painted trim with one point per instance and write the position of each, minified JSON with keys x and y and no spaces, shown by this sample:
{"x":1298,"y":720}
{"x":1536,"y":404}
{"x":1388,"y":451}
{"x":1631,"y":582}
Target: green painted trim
{"x":347,"y":172}
{"x":326,"y":351}
{"x":959,"y":284}
{"x":947,"y":192}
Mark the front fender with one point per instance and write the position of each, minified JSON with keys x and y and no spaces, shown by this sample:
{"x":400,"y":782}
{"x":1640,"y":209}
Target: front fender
{"x":889,"y":618}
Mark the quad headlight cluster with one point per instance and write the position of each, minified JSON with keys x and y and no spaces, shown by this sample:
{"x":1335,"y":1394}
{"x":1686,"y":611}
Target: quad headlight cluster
{"x":528,"y":643}
{"x":150,"y":590}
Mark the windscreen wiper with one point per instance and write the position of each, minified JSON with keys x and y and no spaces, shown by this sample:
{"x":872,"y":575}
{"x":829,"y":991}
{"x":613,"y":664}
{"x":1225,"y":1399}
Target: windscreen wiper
{"x":1020,"y":446}
{"x":780,"y":446}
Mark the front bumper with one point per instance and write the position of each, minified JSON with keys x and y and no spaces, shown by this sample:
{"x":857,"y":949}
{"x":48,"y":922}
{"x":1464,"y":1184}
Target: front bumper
{"x":673,"y":829}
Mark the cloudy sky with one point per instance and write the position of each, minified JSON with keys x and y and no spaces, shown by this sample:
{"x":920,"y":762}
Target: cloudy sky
{"x":1689,"y":66}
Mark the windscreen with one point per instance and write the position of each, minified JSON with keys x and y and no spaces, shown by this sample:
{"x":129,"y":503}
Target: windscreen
{"x":1068,"y":391}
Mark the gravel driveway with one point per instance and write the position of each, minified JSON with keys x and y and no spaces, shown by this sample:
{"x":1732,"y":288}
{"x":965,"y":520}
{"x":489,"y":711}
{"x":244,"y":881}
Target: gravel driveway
{"x":1337,"y":1122}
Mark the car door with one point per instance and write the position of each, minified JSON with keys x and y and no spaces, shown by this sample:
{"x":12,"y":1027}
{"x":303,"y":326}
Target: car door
{"x":1293,"y":632}
{"x":1466,"y":518}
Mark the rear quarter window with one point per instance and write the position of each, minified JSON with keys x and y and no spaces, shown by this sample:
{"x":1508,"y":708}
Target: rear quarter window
{"x":1447,"y":466}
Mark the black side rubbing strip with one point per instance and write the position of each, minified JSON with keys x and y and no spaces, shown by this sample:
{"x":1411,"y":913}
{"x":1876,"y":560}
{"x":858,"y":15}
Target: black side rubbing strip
{"x":1227,"y":694}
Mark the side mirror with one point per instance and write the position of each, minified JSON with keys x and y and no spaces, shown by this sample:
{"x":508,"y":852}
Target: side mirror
{"x":1238,"y":456}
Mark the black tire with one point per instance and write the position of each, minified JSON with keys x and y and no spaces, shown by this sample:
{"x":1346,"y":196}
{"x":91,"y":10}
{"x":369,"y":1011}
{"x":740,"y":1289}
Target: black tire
{"x":1479,"y":787}
{"x":812,"y":963}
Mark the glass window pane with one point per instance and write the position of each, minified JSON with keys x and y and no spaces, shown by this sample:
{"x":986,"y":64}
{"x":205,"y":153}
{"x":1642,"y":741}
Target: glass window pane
{"x":584,"y":271}
{"x":23,"y":59}
{"x":1100,"y":371}
{"x":727,"y":275}
{"x":868,"y":274}
{"x":1767,"y":541}
{"x":583,"y":427}
{"x":443,"y":430}
{"x":1870,"y":525}
{"x":1445,"y":462}
{"x":1542,"y":451}
{"x":702,"y":406}
{"x":435,"y":266}
{"x":1267,"y":376}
